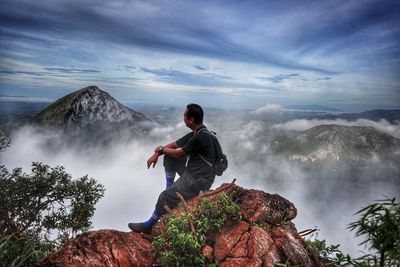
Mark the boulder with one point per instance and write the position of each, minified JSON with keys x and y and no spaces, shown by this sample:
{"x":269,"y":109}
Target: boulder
{"x":103,"y":248}
{"x":264,"y":237}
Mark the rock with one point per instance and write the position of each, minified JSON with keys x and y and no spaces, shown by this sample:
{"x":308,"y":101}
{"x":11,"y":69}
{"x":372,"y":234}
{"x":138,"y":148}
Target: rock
{"x":103,"y":248}
{"x":237,"y":262}
{"x":260,"y":242}
{"x":264,"y":237}
{"x":291,"y":246}
{"x":258,"y":206}
{"x":208,"y":252}
{"x":228,"y":239}
{"x":241,"y":248}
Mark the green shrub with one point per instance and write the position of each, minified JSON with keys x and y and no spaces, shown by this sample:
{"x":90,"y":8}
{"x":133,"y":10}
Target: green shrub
{"x":379,"y":224}
{"x":212,"y":216}
{"x":22,"y":249}
{"x":40,"y":210}
{"x":331,"y":254}
{"x":179,"y":246}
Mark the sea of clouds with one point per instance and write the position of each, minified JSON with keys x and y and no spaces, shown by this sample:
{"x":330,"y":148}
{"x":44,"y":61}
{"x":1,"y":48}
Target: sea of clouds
{"x":132,"y":189}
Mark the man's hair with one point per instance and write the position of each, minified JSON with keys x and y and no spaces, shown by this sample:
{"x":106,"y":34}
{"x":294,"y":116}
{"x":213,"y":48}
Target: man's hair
{"x":196,"y":112}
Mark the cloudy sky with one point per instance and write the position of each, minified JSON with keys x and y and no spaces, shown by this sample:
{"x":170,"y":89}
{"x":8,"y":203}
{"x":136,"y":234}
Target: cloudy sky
{"x":243,"y":54}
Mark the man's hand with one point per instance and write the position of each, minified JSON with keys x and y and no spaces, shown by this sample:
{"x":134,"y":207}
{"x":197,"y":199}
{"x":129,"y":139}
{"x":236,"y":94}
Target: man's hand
{"x":152,"y":160}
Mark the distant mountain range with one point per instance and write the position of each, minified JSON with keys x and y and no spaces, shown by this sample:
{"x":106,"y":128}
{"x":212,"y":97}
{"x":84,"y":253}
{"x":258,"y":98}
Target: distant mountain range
{"x":375,"y":115}
{"x":336,"y":143}
{"x":320,"y":112}
{"x":313,"y":108}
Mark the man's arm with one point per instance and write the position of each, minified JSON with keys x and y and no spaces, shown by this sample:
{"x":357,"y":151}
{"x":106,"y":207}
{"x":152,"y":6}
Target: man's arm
{"x":171,"y":145}
{"x":171,"y":149}
{"x":174,"y":152}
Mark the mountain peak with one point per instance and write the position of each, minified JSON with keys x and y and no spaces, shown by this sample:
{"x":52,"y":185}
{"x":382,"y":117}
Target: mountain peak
{"x":91,"y":90}
{"x":86,"y":107}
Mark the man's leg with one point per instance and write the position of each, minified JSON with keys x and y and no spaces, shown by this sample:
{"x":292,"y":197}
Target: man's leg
{"x":171,"y":166}
{"x":145,"y":227}
{"x":166,"y":198}
{"x":187,"y":186}
{"x":169,"y":177}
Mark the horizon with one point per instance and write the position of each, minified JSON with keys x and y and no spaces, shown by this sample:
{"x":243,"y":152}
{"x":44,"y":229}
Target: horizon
{"x":242,"y":55}
{"x":269,"y":107}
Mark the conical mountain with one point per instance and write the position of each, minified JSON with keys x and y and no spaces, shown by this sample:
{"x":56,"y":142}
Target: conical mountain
{"x":85,"y":108}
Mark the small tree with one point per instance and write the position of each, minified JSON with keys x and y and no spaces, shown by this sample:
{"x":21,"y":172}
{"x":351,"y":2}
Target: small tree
{"x":40,"y":210}
{"x":47,"y":200}
{"x":380,"y":224}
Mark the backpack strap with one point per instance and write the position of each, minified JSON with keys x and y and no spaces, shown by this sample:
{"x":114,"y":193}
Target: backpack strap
{"x":202,"y":157}
{"x":187,"y":161}
{"x":188,"y":157}
{"x":206,"y":161}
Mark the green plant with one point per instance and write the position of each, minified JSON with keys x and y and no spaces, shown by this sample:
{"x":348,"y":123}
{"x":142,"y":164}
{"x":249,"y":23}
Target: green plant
{"x":334,"y":257}
{"x":212,"y":215}
{"x":22,"y":249}
{"x":178,"y":245}
{"x":331,"y":254}
{"x":379,"y":223}
{"x":41,"y":210}
{"x":46,"y":200}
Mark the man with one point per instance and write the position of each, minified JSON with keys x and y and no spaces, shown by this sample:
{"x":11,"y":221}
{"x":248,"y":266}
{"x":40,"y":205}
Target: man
{"x":187,"y":157}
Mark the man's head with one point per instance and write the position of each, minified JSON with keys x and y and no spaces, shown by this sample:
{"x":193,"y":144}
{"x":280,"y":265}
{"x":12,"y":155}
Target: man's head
{"x":193,"y":115}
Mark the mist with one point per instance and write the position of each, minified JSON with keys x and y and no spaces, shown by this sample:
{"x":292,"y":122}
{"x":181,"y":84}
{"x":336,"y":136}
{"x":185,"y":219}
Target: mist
{"x":326,"y":197}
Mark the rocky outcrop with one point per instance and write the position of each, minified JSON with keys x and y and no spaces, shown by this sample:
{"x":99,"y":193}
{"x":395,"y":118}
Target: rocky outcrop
{"x":264,"y":237}
{"x":103,"y":248}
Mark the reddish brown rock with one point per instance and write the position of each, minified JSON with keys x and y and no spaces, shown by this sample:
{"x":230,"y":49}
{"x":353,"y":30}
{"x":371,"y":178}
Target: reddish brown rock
{"x":272,"y":258}
{"x":241,"y":248}
{"x":239,"y":262}
{"x":228,"y":238}
{"x":291,"y":246}
{"x":208,"y":252}
{"x":264,"y":237}
{"x":103,"y":248}
{"x":260,"y":243}
{"x":258,"y":206}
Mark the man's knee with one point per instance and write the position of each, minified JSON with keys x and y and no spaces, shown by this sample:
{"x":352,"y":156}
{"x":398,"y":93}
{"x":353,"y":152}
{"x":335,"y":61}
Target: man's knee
{"x":169,"y":162}
{"x":174,"y":164}
{"x":166,"y":198}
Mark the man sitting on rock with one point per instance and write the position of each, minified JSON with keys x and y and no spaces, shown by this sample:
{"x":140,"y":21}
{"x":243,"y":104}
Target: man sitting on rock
{"x":188,"y":157}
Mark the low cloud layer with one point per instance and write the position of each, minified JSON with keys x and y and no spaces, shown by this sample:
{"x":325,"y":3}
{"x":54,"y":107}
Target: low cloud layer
{"x":132,"y":189}
{"x":269,"y":107}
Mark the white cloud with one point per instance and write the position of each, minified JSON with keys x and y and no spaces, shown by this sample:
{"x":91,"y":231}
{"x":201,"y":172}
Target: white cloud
{"x":269,"y":107}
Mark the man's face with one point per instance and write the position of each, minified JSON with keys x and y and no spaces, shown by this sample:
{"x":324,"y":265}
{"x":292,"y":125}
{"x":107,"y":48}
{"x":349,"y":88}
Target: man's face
{"x":188,"y":121}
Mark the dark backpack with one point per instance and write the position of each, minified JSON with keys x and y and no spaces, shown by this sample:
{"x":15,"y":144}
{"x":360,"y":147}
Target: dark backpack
{"x":221,"y":163}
